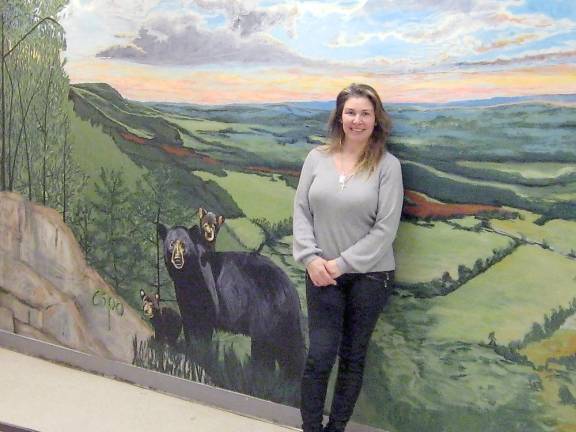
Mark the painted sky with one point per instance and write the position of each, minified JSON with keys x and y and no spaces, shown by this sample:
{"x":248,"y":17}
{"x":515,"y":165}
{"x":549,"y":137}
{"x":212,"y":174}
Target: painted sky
{"x":231,"y":51}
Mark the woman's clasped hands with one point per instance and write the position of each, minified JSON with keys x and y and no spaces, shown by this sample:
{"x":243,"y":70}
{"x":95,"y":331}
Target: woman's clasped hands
{"x":323,"y":272}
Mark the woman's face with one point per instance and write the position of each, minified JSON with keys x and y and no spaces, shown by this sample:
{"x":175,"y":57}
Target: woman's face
{"x":358,"y":119}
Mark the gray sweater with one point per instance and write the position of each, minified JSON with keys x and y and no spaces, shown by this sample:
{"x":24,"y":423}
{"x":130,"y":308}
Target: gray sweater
{"x":356,"y":225}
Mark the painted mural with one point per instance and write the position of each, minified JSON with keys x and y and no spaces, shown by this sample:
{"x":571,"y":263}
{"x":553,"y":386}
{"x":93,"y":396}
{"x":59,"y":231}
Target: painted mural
{"x":150,"y":151}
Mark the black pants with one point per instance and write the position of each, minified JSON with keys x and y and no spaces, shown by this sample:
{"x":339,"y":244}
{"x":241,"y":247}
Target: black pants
{"x":341,"y":320}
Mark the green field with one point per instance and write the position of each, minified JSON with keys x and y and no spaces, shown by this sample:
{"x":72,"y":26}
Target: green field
{"x":202,"y":125}
{"x":506,"y":299}
{"x":466,"y":222}
{"x":529,"y":170}
{"x":259,"y":196}
{"x":558,"y":233}
{"x":248,"y":233}
{"x":114,"y":113}
{"x":536,"y":197}
{"x":424,"y":254}
{"x":521,"y":191}
{"x":93,"y":149}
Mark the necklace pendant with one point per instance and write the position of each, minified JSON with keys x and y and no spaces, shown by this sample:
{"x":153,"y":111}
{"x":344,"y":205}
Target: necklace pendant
{"x":342,"y":182}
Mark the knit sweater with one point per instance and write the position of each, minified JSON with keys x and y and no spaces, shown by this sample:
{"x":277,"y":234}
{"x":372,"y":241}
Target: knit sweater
{"x":355,"y":225}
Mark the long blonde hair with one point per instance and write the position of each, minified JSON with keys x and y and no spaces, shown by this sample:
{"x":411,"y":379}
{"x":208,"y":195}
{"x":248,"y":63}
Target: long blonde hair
{"x":376,"y":147}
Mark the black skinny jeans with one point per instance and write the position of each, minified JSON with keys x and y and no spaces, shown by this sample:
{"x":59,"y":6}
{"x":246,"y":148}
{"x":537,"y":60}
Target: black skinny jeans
{"x":341,"y":320}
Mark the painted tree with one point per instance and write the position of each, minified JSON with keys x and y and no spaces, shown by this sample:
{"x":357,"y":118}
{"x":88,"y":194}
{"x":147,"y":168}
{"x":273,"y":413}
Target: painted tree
{"x":30,"y":44}
{"x":116,"y":254}
{"x":157,"y":202}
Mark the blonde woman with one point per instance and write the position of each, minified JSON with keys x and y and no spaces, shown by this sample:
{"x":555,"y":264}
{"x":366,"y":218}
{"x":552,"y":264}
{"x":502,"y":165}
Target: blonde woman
{"x":346,"y":214}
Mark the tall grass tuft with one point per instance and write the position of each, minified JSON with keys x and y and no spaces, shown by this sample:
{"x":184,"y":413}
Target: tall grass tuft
{"x":207,"y":362}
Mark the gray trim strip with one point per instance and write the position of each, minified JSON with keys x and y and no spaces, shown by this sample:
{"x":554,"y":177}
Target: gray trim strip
{"x":189,"y":390}
{"x":7,"y":427}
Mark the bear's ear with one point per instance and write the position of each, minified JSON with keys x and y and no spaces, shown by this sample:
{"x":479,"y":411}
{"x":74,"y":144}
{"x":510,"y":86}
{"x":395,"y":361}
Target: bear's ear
{"x":142,"y":294}
{"x":201,"y":213}
{"x":195,"y":234}
{"x":162,"y":230}
{"x":220,"y":220}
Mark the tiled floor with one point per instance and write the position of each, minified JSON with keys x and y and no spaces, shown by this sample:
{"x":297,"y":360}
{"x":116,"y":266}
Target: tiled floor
{"x":48,"y":397}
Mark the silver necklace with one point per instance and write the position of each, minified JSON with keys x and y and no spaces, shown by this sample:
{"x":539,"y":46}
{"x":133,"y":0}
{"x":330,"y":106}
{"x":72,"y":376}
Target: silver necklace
{"x":342,"y":179}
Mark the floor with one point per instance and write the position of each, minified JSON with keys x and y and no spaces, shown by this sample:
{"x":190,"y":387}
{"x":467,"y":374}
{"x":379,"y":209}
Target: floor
{"x":48,"y":397}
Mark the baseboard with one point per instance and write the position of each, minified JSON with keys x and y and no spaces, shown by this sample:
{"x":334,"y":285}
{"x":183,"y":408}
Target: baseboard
{"x":7,"y":427}
{"x":224,"y":399}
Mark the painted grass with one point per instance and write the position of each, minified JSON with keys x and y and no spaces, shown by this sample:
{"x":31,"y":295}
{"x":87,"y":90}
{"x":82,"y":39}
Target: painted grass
{"x":559,"y":234}
{"x":564,"y":416}
{"x":200,"y":125}
{"x":528,"y":170}
{"x":258,"y":196}
{"x":248,"y":233}
{"x":506,"y":299}
{"x":466,"y":222}
{"x":423,"y":254}
{"x":254,"y":139}
{"x":94,"y":149}
{"x":281,"y":255}
{"x":561,"y":344}
{"x":101,"y":105}
{"x":549,"y":193}
{"x":239,"y":343}
{"x":228,"y":241}
{"x":205,"y":125}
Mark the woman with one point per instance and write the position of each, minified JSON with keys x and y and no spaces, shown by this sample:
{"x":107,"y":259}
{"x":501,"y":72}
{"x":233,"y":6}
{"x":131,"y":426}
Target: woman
{"x":346,"y":214}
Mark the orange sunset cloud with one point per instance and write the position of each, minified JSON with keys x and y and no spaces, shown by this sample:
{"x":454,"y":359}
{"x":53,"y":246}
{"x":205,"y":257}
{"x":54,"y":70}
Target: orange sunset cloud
{"x":147,"y":83}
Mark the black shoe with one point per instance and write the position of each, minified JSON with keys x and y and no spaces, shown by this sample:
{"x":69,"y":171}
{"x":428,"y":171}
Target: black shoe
{"x":334,"y":427}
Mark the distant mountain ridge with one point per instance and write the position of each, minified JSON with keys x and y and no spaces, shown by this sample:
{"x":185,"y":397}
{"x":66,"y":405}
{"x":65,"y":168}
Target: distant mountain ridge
{"x":329,"y":105}
{"x":108,"y":92}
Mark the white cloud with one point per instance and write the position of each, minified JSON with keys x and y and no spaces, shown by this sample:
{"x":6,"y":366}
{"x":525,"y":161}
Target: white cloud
{"x":182,"y":40}
{"x":246,"y":18}
{"x":322,"y":9}
{"x":457,"y":29}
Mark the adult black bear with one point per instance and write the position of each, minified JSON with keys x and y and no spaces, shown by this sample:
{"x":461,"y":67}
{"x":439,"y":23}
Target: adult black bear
{"x":239,"y":292}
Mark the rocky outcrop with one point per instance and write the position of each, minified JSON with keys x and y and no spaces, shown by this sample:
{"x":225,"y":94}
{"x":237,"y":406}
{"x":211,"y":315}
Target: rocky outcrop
{"x":47,"y":291}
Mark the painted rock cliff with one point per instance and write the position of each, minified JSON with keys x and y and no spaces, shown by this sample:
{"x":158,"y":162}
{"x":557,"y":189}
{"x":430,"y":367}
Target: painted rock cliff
{"x":48,"y":292}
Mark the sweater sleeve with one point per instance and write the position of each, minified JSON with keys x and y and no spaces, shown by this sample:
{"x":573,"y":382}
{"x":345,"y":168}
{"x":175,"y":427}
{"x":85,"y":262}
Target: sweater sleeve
{"x":304,"y":246}
{"x":363,"y":255}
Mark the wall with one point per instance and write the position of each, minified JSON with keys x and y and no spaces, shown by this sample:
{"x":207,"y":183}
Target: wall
{"x":161,"y":108}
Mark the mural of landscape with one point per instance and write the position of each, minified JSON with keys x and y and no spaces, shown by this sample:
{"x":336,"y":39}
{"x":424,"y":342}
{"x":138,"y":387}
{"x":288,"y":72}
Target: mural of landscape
{"x":150,"y":151}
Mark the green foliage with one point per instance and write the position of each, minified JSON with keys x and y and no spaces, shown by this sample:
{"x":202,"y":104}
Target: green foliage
{"x":423,"y":254}
{"x":258,"y":196}
{"x":273,"y":232}
{"x":566,"y":397}
{"x":156,"y":201}
{"x":35,"y":144}
{"x":212,"y":364}
{"x":450,"y":187}
{"x":511,"y":353}
{"x":445,"y":284}
{"x":568,"y":361}
{"x":82,"y":224}
{"x":552,"y":322}
{"x":117,"y":257}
